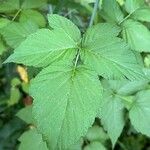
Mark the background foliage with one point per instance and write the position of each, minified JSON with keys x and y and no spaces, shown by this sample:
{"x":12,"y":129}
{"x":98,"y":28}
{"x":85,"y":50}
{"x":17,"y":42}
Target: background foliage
{"x":121,"y":99}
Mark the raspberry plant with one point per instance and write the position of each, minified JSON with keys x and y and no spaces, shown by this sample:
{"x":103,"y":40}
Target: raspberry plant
{"x":95,"y":74}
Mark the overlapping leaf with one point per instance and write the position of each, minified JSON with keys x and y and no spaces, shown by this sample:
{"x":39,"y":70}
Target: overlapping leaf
{"x":9,"y":5}
{"x":15,"y":33}
{"x":142,"y":14}
{"x":14,"y":5}
{"x":137,"y":35}
{"x":68,"y":108}
{"x":33,"y":15}
{"x":55,"y":44}
{"x":63,"y":92}
{"x":28,"y":4}
{"x":109,"y":55}
{"x":133,"y":5}
{"x":26,"y":114}
{"x":70,"y":29}
{"x":32,"y":140}
{"x":111,"y":11}
{"x":140,"y":112}
{"x":112,"y":116}
{"x":134,"y":33}
{"x":138,"y":9}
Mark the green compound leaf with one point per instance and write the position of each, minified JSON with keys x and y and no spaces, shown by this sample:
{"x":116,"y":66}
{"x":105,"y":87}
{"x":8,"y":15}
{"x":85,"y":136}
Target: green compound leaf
{"x":32,"y":140}
{"x":111,"y":11}
{"x":15,"y":33}
{"x":112,"y":116}
{"x":71,"y":30}
{"x":33,"y":15}
{"x":136,"y":35}
{"x":66,"y":98}
{"x":108,"y":54}
{"x":9,"y":5}
{"x":65,"y":113}
{"x":140,"y":112}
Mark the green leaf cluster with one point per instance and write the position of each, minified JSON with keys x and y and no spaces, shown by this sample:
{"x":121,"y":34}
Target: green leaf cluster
{"x":97,"y":74}
{"x":131,"y":20}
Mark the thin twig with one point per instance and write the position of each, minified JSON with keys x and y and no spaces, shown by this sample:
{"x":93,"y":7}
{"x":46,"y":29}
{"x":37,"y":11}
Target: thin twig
{"x":16,"y":14}
{"x":94,"y":12}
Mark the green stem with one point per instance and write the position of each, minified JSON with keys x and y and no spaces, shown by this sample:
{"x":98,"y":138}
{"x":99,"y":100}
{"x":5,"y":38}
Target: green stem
{"x":90,"y":24}
{"x":128,"y":16}
{"x":77,"y":58}
{"x":76,"y":61}
{"x":94,"y":12}
{"x":16,"y":14}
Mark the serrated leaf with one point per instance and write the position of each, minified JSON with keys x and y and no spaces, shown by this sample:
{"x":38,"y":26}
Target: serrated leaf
{"x":26,"y":114}
{"x":28,"y":4}
{"x":140,"y":112}
{"x":53,"y":46}
{"x":15,"y":33}
{"x":33,"y":15}
{"x":111,"y":11}
{"x":142,"y":14}
{"x":133,"y":5}
{"x":112,"y":116}
{"x":64,"y":118}
{"x":124,"y":90}
{"x":9,"y":5}
{"x":99,"y":31}
{"x":57,"y":44}
{"x":99,"y":55}
{"x":136,"y":35}
{"x":95,"y":146}
{"x":32,"y":140}
{"x":71,"y":30}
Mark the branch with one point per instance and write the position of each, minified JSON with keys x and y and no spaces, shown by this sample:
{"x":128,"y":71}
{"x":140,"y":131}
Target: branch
{"x":94,"y":12}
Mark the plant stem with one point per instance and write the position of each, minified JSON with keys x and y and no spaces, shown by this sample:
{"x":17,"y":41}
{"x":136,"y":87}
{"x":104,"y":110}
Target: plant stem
{"x":90,"y":24}
{"x":76,"y":61}
{"x":94,"y":12}
{"x":16,"y":14}
{"x":77,"y":58}
{"x":128,"y":16}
